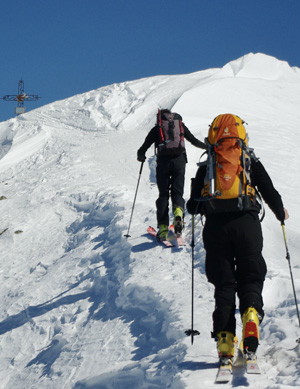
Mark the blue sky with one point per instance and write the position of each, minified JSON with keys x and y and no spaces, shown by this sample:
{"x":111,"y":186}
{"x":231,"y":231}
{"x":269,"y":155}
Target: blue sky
{"x":64,"y":47}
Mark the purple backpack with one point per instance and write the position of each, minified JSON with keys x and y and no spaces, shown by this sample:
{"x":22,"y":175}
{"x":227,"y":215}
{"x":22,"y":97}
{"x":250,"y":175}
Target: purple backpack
{"x":171,"y":134}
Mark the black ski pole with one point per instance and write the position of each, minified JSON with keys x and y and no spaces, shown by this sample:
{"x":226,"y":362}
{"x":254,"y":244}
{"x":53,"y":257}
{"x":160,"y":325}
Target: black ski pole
{"x":292,"y":279}
{"x":137,"y":186}
{"x":191,"y":332}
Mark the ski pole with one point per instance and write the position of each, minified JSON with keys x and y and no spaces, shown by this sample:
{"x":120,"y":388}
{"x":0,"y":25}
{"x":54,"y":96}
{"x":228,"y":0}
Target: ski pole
{"x":292,"y":279}
{"x":137,"y":186}
{"x":191,"y":332}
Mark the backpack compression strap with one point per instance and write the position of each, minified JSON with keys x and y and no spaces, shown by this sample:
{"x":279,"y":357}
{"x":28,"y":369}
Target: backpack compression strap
{"x":159,"y":123}
{"x":181,"y":131}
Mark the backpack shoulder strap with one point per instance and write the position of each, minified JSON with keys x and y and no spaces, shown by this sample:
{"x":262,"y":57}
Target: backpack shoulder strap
{"x":181,"y":130}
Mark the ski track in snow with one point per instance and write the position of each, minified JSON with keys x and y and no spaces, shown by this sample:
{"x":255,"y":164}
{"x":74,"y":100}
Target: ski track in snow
{"x":84,"y":307}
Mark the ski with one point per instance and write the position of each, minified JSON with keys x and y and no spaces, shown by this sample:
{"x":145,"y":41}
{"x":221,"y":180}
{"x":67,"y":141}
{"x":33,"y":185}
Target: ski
{"x":225,"y":371}
{"x":171,"y":241}
{"x":249,"y":360}
{"x":153,"y":233}
{"x":252,"y":365}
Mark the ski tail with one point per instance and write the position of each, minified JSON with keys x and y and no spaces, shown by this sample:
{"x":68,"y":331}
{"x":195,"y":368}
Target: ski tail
{"x":225,"y":370}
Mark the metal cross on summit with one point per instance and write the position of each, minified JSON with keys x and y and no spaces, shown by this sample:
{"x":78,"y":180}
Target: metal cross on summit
{"x":20,"y":98}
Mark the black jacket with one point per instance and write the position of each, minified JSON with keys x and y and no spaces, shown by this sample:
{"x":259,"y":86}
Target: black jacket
{"x":259,"y":179}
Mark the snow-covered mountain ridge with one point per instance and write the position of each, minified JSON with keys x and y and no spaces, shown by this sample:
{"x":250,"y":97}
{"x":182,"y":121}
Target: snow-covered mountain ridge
{"x":82,"y":307}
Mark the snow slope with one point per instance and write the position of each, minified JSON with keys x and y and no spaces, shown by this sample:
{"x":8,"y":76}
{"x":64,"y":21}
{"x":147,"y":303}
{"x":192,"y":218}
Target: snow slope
{"x":81,"y":306}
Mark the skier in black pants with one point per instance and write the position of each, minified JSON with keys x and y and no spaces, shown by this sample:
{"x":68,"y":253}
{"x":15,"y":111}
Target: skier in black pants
{"x":170,"y":170}
{"x":234,"y":263}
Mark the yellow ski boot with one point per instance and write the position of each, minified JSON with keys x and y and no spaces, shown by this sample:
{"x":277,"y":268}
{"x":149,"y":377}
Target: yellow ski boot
{"x":250,"y":321}
{"x":162,"y":232}
{"x":227,"y":344}
{"x":178,"y":220}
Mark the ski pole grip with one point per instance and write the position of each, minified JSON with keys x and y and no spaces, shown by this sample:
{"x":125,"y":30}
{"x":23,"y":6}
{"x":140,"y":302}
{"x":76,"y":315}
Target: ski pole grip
{"x":141,"y":168}
{"x":285,"y":242}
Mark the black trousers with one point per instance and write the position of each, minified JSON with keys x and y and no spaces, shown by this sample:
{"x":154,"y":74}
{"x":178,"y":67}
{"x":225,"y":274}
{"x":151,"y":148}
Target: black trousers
{"x":170,"y":173}
{"x":234,"y":265}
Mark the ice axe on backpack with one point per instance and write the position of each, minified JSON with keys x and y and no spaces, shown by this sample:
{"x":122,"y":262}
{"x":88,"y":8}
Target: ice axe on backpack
{"x":292,"y":279}
{"x":191,"y":332}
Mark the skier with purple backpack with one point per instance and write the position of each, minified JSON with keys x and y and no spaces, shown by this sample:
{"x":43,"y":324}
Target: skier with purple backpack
{"x":168,"y":135}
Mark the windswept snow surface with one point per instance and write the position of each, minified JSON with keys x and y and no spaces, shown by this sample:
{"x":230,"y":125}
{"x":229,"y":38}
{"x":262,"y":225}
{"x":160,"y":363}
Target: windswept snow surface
{"x":84,"y":307}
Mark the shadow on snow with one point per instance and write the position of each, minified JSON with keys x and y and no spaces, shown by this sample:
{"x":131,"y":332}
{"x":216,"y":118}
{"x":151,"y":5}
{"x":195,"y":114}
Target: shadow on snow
{"x":149,"y":317}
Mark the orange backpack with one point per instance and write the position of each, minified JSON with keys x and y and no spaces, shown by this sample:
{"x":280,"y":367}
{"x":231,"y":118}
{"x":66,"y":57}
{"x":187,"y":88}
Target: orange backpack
{"x":228,"y":162}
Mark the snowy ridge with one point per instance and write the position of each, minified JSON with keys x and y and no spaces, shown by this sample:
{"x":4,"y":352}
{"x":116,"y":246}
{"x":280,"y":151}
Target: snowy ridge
{"x":82,"y":307}
{"x":264,"y":67}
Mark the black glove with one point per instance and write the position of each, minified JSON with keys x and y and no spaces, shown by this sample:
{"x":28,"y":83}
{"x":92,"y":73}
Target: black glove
{"x":193,"y":207}
{"x":141,"y":157}
{"x":282,"y":215}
